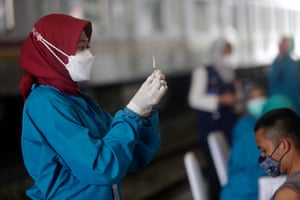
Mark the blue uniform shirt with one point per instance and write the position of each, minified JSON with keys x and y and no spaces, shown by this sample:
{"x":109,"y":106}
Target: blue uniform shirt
{"x":73,"y":149}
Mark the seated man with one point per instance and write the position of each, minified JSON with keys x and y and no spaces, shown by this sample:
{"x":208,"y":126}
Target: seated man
{"x":277,"y":135}
{"x":243,"y":169}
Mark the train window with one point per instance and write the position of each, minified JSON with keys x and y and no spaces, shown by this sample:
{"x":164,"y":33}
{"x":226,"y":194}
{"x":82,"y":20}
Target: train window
{"x":295,"y":17}
{"x":108,"y":16}
{"x":200,"y":12}
{"x":265,"y":18}
{"x":236,"y":14}
{"x":297,"y":22}
{"x":2,"y":17}
{"x":150,"y":17}
{"x":272,"y":19}
{"x":95,"y":10}
{"x":159,"y":18}
{"x":283,"y":21}
{"x":264,"y":26}
{"x":286,"y":21}
{"x":292,"y":20}
{"x":278,"y":19}
{"x":17,"y":24}
{"x":174,"y":16}
{"x":254,"y":18}
{"x":118,"y":16}
{"x":228,"y":12}
{"x":98,"y":12}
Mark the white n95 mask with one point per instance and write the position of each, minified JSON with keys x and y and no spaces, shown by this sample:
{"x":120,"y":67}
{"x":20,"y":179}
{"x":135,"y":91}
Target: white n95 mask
{"x":80,"y":65}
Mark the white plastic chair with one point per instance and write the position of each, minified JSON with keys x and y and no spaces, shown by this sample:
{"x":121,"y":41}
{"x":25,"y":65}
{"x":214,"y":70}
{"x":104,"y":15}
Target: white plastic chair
{"x":219,"y":149}
{"x":195,"y":177}
{"x":267,"y":185}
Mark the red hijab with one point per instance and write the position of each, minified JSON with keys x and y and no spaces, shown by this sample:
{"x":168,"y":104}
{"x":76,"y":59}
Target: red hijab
{"x":39,"y":65}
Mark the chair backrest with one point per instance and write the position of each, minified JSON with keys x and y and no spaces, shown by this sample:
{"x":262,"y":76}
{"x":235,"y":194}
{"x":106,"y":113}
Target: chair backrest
{"x":195,"y":176}
{"x":219,"y":149}
{"x":267,"y":185}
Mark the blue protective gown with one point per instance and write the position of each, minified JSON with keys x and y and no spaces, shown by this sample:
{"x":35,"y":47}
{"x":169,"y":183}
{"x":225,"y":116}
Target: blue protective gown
{"x":75,"y":150}
{"x":284,"y":79}
{"x":243,"y":168}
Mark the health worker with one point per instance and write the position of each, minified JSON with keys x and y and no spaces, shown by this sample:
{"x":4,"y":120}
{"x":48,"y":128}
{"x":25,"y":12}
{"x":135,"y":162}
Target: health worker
{"x":71,"y":147}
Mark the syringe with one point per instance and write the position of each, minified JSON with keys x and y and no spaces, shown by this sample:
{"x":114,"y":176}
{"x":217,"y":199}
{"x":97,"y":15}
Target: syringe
{"x":153,"y":63}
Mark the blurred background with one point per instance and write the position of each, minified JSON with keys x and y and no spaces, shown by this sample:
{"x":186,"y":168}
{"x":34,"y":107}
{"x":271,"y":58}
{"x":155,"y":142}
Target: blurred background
{"x":126,"y":34}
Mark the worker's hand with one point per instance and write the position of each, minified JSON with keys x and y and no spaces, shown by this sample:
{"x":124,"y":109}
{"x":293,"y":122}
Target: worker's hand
{"x":149,"y":94}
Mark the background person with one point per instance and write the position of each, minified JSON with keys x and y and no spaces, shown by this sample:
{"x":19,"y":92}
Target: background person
{"x":243,"y":169}
{"x":72,"y":148}
{"x":212,"y":96}
{"x":283,"y":77}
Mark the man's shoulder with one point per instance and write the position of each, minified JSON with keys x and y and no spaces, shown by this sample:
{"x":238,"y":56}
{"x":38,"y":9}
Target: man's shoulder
{"x":284,"y":193}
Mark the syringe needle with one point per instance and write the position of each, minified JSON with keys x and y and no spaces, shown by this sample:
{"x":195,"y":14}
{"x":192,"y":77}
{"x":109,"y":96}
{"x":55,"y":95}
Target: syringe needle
{"x":153,"y":63}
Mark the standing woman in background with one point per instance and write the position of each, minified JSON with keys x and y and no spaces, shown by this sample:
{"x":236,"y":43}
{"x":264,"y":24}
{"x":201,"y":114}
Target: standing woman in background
{"x":212,"y":92}
{"x":72,"y":148}
{"x":212,"y":96}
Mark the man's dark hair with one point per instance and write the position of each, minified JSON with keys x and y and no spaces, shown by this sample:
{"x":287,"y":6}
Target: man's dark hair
{"x":281,"y":123}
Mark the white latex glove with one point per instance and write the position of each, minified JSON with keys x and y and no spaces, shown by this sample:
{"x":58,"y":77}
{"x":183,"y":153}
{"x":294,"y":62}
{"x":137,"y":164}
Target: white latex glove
{"x":149,"y":94}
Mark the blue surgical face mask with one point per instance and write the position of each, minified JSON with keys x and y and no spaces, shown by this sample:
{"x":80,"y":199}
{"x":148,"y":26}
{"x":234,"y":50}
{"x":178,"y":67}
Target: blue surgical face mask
{"x":270,"y":165}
